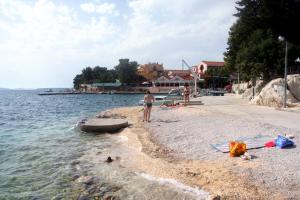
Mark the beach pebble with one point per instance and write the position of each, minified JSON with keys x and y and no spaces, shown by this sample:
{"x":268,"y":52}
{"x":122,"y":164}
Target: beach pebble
{"x":88,"y":180}
{"x":58,"y":197}
{"x":217,"y":197}
{"x":92,"y":189}
{"x":110,"y":197}
{"x":75,"y":162}
{"x":83,"y":197}
{"x":75,"y":176}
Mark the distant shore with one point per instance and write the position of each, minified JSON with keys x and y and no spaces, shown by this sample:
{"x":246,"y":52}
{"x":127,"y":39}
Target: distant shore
{"x":176,"y":144}
{"x":115,"y":92}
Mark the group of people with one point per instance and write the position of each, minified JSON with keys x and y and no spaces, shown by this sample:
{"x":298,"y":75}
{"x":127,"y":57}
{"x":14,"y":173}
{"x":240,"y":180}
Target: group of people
{"x":149,"y":99}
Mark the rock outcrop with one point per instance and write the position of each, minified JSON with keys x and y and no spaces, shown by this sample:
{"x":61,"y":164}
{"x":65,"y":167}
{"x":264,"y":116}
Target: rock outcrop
{"x":272,"y":94}
{"x":246,"y":89}
{"x":240,"y":88}
{"x":294,"y":85}
{"x":249,"y":92}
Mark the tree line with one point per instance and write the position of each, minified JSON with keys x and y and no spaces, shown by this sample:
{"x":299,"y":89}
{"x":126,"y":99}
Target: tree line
{"x":254,"y":49}
{"x":125,"y":72}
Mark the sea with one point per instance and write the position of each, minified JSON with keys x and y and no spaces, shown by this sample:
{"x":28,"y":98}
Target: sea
{"x":41,"y":151}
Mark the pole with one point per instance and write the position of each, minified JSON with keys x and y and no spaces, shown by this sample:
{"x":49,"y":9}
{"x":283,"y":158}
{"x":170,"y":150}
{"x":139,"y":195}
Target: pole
{"x":285,"y":72}
{"x":195,"y":93}
{"x":238,"y":82}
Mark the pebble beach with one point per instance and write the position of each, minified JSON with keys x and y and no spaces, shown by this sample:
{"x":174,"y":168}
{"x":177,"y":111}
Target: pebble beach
{"x":177,"y":143}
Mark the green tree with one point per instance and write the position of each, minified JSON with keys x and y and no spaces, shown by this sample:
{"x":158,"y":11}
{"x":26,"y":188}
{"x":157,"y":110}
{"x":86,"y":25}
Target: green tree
{"x":283,"y":18}
{"x":253,"y":46}
{"x":126,"y":71}
{"x":111,"y":76}
{"x":100,"y":74}
{"x":217,"y":77}
{"x":87,"y":75}
{"x":77,"y":81}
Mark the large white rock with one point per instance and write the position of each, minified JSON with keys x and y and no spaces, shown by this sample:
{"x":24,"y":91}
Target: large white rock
{"x":294,"y":85}
{"x":248,"y":94}
{"x":272,"y":95}
{"x":240,"y":88}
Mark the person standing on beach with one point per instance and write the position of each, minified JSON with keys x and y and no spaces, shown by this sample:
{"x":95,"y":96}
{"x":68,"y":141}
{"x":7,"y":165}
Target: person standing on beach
{"x":186,"y":94}
{"x":148,"y":100}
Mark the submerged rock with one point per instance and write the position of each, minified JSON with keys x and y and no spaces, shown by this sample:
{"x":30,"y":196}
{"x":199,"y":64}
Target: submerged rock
{"x":83,"y":197}
{"x":88,"y":180}
{"x":109,"y":159}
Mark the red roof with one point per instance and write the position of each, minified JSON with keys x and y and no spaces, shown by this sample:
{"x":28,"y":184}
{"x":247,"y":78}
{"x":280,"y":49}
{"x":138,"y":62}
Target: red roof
{"x":177,"y":70}
{"x":185,"y":74}
{"x":187,"y":77}
{"x":212,"y":63}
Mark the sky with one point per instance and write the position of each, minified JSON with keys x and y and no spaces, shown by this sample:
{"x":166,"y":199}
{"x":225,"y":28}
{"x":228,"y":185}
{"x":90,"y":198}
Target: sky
{"x":45,"y":43}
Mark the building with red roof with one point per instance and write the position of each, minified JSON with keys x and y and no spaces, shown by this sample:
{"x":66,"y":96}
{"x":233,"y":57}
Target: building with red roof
{"x":203,"y":66}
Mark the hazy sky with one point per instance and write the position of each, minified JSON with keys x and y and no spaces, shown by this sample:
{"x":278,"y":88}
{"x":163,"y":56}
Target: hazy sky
{"x":45,"y":43}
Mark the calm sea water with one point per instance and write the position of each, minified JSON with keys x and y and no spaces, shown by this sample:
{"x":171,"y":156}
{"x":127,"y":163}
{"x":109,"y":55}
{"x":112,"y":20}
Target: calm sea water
{"x":41,"y":150}
{"x":38,"y":141}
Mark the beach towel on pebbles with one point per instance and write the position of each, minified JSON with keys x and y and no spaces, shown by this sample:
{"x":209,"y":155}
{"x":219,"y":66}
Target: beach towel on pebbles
{"x":251,"y":143}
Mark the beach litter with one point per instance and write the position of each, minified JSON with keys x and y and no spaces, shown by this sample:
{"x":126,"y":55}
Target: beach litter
{"x":270,"y":144}
{"x":290,"y":136}
{"x":283,"y":142}
{"x":236,"y":148}
{"x":246,"y":156}
{"x":251,"y":143}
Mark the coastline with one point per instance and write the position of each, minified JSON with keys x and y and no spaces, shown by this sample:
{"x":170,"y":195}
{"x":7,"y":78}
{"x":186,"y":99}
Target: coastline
{"x":156,"y":160}
{"x":151,"y":151}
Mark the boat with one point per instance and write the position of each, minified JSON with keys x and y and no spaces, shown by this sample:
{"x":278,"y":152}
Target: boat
{"x":175,"y":92}
{"x":111,"y":92}
{"x":158,"y":100}
{"x":49,"y":90}
{"x":216,"y":93}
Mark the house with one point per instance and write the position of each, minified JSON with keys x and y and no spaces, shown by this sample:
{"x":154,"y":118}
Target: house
{"x":203,"y":66}
{"x":176,"y":72}
{"x":170,"y":82}
{"x":97,"y":87}
{"x":151,"y":70}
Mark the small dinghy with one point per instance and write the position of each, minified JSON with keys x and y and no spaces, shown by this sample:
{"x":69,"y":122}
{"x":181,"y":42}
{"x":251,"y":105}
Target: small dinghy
{"x":102,"y":125}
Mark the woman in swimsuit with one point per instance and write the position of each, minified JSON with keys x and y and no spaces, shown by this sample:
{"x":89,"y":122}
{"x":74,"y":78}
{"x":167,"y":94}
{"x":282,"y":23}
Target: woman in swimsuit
{"x":148,"y":99}
{"x":186,"y":94}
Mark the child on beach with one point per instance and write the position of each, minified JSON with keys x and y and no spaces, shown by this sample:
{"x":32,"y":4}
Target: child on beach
{"x":148,"y":99}
{"x":186,"y":94}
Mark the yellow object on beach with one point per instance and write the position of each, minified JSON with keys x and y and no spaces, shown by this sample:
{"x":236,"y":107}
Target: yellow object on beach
{"x":237,"y":148}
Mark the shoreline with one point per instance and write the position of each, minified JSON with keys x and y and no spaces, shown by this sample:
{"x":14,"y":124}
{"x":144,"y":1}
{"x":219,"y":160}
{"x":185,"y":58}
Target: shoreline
{"x":216,"y":173}
{"x":156,"y":160}
{"x":135,"y":153}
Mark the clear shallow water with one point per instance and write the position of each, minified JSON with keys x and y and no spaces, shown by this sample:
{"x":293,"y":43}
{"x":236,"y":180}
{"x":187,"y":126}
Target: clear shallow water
{"x":38,"y":142}
{"x":41,"y":152}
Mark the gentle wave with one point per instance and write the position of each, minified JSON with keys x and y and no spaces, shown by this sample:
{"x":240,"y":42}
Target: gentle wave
{"x":200,"y":194}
